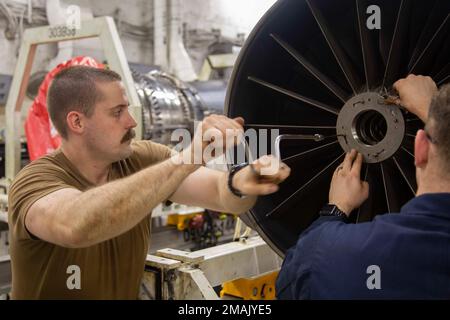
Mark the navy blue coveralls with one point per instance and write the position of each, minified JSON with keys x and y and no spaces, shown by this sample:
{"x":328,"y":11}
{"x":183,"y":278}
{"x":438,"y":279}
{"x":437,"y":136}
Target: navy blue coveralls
{"x":395,"y":256}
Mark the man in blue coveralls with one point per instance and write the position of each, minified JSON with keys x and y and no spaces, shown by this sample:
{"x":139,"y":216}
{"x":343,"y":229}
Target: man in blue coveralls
{"x":396,"y":256}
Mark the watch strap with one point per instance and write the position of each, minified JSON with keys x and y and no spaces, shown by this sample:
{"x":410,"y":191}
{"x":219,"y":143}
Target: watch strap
{"x":332,"y":210}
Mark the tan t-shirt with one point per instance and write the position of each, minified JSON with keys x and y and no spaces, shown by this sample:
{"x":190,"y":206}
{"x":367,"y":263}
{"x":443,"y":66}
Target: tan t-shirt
{"x":110,"y":270}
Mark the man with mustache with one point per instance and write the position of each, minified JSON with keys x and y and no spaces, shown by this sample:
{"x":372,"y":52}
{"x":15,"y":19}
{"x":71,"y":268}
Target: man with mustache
{"x":85,"y":208}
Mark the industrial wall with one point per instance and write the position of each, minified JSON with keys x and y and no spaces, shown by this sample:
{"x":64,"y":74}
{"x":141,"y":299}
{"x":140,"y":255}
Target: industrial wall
{"x":232,"y":18}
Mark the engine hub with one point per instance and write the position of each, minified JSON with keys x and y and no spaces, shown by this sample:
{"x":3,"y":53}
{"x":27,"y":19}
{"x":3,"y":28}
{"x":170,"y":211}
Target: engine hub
{"x":370,"y":126}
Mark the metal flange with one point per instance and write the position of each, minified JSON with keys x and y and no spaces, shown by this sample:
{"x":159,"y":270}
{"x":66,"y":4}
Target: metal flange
{"x":372,"y":127}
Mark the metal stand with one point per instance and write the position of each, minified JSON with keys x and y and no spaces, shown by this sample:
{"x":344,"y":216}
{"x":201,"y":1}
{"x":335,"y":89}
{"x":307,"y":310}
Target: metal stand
{"x":179,"y":275}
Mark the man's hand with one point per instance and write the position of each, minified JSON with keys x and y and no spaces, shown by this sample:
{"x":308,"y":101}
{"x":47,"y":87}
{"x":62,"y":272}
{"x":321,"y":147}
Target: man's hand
{"x":214,"y":134}
{"x":251,"y":181}
{"x":416,"y":93}
{"x":347,"y":190}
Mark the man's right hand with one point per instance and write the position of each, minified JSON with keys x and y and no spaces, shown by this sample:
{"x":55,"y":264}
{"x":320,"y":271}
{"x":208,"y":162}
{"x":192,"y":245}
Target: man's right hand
{"x":416,"y":93}
{"x":212,"y":137}
{"x":347,"y":190}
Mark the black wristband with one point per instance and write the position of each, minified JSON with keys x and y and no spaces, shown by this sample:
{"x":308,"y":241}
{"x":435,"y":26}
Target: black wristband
{"x":234,"y":169}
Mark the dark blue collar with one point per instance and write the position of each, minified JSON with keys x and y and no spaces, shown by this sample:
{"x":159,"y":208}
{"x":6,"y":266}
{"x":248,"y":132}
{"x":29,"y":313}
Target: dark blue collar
{"x":429,"y":203}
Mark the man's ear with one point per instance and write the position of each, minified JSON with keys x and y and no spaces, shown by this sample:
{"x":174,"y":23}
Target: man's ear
{"x":74,"y":121}
{"x":421,"y":148}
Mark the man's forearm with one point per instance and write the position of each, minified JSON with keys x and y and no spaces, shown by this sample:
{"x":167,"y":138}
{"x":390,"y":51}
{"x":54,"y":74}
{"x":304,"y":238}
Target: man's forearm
{"x":229,"y":201}
{"x":107,"y":211}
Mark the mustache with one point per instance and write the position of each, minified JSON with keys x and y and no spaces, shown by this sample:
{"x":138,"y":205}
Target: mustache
{"x":128,"y":136}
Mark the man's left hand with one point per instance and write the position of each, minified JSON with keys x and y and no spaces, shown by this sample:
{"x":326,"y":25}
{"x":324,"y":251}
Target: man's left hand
{"x":347,"y":190}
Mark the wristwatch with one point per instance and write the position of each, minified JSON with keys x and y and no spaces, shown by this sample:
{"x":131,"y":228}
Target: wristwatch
{"x":233,"y":170}
{"x":332,"y":210}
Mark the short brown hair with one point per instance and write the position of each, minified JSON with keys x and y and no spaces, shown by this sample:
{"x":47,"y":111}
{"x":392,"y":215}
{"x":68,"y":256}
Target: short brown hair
{"x":74,"y":89}
{"x":439,"y":123}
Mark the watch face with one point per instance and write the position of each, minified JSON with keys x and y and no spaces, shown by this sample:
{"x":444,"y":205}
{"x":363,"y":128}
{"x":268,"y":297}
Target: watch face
{"x":327,"y":210}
